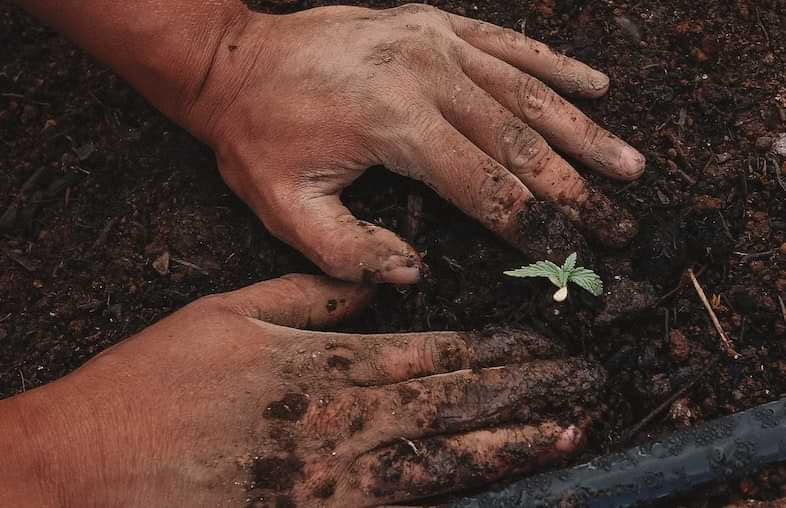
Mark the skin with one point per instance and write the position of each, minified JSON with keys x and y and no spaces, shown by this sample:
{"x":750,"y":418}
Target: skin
{"x":296,"y":107}
{"x":225,"y":403}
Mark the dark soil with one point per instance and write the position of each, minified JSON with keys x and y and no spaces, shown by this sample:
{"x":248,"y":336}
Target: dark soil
{"x":111,"y":217}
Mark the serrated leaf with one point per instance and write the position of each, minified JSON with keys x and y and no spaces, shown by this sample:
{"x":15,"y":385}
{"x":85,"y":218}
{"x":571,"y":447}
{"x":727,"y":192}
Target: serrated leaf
{"x":545,"y":269}
{"x":587,"y":279}
{"x":570,"y":263}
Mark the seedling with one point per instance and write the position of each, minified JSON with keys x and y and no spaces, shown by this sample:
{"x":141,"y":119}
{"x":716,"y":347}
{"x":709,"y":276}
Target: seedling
{"x":561,"y":275}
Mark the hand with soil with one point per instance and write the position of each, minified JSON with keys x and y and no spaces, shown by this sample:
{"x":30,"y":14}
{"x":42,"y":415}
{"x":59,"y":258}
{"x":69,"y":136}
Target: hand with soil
{"x":222,"y":404}
{"x":296,"y":107}
{"x":306,"y":102}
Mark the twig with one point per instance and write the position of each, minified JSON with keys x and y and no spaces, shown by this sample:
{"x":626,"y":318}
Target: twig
{"x":411,"y":445}
{"x":763,"y":28}
{"x":756,"y":255}
{"x":630,"y":433}
{"x":726,"y":344}
{"x":778,"y":176}
{"x":679,"y":286}
{"x":190,"y":265}
{"x":783,"y":307}
{"x":24,"y":386}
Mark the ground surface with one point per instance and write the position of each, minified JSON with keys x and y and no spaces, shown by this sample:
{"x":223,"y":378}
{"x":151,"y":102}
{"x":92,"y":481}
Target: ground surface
{"x":100,"y":185}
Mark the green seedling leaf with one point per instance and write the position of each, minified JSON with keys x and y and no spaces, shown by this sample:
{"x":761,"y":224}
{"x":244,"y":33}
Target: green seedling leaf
{"x":545,"y":269}
{"x":587,"y":279}
{"x":561,"y":275}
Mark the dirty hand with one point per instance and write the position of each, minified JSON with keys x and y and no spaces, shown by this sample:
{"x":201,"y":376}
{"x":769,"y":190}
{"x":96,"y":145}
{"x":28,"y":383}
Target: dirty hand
{"x":298,"y":106}
{"x":221,"y":404}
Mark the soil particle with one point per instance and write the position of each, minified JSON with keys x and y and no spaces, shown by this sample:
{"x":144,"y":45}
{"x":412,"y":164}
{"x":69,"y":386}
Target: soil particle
{"x":339,"y":362}
{"x":325,"y":490}
{"x":545,"y":233}
{"x":292,"y":407}
{"x":662,"y":253}
{"x":277,"y":473}
{"x":356,"y":424}
{"x":680,"y":348}
{"x":625,"y":299}
{"x":407,"y":394}
{"x":707,"y":236}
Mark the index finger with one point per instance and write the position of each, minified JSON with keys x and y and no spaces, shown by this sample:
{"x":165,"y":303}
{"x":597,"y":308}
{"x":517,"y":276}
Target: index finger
{"x":560,"y":71}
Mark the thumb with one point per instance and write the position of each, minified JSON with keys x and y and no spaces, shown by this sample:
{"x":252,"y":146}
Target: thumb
{"x":323,"y":229}
{"x":299,"y":301}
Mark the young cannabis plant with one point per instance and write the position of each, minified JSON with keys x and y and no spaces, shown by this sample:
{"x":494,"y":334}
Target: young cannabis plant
{"x":561,"y":275}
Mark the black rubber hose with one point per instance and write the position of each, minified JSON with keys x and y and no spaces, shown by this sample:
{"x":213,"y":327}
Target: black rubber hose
{"x":723,"y":449}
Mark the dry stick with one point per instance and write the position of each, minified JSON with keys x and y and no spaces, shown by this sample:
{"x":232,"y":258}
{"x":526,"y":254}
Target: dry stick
{"x":632,"y":431}
{"x":676,"y":289}
{"x":726,"y":344}
{"x":783,"y":307}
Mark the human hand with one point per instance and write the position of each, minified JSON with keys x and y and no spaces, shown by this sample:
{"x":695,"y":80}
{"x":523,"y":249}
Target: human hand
{"x":298,"y":106}
{"x":222,"y":404}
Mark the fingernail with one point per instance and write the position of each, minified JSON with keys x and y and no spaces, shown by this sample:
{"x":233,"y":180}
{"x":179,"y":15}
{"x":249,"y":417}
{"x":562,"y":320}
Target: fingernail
{"x":598,"y":81}
{"x":632,"y":161}
{"x":402,"y":275}
{"x":400,"y":270}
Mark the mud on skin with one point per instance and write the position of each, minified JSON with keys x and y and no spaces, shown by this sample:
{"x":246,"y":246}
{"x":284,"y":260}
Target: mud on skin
{"x":293,"y":470}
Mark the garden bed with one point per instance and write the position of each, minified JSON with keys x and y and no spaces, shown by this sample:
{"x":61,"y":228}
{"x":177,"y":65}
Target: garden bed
{"x":102,"y":186}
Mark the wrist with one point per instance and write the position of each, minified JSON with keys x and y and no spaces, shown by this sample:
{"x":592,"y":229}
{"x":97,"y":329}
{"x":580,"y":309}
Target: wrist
{"x":241,"y":47}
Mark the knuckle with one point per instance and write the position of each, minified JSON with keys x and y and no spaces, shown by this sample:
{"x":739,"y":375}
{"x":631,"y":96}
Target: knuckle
{"x":534,"y":97}
{"x":509,"y":38}
{"x":209,"y":304}
{"x":340,"y":416}
{"x":523,"y":149}
{"x":417,"y":8}
{"x":590,"y":138}
{"x":446,"y":353}
{"x":499,"y":197}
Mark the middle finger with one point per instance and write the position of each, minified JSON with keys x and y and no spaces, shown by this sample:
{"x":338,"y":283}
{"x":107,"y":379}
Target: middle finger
{"x":524,"y":152}
{"x":560,"y":122}
{"x":469,"y":400}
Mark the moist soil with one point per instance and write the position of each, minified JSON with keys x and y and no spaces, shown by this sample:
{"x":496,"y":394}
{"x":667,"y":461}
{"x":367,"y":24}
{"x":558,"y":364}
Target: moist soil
{"x":111,"y":217}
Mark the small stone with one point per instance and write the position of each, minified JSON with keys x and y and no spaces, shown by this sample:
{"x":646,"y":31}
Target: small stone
{"x":680,"y":412}
{"x":705,"y":203}
{"x":723,"y":157}
{"x":85,"y":151}
{"x":625,"y":299}
{"x":763,"y":143}
{"x":680,"y":349}
{"x":161,"y":263}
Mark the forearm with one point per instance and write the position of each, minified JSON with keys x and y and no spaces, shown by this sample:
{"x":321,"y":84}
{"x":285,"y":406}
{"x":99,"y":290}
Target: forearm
{"x":163,"y":48}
